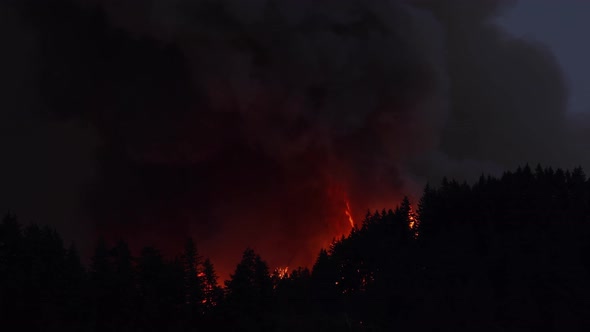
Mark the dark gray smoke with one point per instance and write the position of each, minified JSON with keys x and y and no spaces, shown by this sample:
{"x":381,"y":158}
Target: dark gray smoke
{"x":250,"y":123}
{"x":508,"y":97}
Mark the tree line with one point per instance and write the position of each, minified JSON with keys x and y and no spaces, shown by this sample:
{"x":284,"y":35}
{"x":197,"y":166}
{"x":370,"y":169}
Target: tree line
{"x":507,"y":253}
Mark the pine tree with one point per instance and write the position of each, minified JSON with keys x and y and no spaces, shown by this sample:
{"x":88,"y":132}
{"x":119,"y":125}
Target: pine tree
{"x":100,"y":266}
{"x":76,"y":306}
{"x":193,"y":278}
{"x":10,"y":242}
{"x":122,"y":283}
{"x":213,"y":293}
{"x":250,"y":286}
{"x":101,"y":278}
{"x":12,"y":272}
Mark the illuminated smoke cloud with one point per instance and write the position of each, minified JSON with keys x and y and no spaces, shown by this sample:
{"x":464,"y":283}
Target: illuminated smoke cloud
{"x":252,"y":123}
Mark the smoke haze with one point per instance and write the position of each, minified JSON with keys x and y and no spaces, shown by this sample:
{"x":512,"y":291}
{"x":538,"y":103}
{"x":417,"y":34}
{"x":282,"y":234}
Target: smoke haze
{"x":252,"y":123}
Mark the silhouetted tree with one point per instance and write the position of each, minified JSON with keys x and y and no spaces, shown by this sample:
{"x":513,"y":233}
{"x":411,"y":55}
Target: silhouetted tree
{"x":75,"y":312}
{"x":12,"y":274}
{"x":250,"y":293}
{"x":101,"y":277}
{"x":160,"y":304}
{"x":213,"y":294}
{"x":193,"y":280}
{"x":507,"y":253}
{"x":122,"y":284}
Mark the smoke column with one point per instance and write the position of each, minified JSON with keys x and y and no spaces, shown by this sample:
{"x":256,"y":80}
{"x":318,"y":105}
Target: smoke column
{"x":253,"y":123}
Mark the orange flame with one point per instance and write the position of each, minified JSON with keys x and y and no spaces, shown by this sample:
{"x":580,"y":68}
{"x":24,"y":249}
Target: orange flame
{"x":282,"y":272}
{"x":349,"y":214}
{"x":414,"y":222}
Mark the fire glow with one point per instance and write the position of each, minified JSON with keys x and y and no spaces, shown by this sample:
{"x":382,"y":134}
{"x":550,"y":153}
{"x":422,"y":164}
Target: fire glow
{"x":349,"y":214}
{"x":413,"y":222}
{"x":282,"y":272}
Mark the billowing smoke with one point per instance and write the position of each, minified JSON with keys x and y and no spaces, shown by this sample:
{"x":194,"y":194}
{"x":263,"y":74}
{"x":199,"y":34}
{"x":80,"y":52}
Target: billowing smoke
{"x":252,"y":123}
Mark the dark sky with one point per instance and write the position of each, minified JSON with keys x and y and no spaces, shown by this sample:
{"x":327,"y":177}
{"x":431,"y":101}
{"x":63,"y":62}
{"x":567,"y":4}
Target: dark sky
{"x":253,"y":125}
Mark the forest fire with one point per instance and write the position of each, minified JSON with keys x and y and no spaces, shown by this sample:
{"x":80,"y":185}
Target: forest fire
{"x":286,"y":129}
{"x":349,"y":214}
{"x":282,"y":272}
{"x":412,"y":219}
{"x":414,"y":222}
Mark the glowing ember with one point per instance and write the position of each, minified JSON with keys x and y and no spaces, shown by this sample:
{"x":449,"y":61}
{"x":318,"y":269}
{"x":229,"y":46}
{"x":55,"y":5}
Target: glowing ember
{"x":349,"y":214}
{"x":282,"y":272}
{"x":414,"y":222}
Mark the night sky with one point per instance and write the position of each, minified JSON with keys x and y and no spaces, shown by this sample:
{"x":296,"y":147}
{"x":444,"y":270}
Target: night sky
{"x":252,"y":123}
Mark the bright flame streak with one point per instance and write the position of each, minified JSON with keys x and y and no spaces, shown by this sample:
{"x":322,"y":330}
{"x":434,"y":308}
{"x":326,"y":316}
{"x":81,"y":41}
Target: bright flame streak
{"x":349,"y":214}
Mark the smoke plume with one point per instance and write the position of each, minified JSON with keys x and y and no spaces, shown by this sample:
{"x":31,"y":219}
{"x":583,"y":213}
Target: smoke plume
{"x":252,"y":123}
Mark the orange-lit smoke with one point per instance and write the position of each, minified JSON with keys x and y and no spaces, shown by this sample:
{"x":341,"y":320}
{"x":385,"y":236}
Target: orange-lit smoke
{"x":279,"y":147}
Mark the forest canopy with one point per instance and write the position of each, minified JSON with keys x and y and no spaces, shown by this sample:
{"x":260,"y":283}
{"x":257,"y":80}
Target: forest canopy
{"x":507,"y":253}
